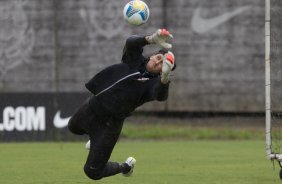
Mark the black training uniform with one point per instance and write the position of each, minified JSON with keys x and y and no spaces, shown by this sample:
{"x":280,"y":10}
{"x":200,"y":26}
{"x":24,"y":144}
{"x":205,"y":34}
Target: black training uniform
{"x":117,"y":91}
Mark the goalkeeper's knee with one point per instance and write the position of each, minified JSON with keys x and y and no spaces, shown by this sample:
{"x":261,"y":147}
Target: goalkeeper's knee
{"x":93,"y":173}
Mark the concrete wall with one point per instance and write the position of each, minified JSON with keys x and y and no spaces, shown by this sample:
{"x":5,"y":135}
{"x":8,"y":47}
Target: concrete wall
{"x":56,"y":46}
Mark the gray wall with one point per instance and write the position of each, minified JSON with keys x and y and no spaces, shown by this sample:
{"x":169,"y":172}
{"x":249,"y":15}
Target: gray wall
{"x":56,"y":46}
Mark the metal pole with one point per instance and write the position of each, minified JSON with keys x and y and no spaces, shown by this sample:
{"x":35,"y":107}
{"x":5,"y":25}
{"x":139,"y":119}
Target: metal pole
{"x":267,"y":81}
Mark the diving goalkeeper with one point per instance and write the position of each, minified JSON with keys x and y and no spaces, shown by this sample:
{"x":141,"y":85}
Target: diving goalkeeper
{"x":117,"y":91}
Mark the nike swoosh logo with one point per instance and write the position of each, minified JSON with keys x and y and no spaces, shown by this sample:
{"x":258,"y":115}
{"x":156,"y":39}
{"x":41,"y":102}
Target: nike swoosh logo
{"x":60,"y":122}
{"x":203,"y":25}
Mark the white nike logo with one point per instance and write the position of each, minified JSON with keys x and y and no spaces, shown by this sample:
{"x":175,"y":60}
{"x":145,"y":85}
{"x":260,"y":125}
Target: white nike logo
{"x":60,"y":122}
{"x":203,"y":25}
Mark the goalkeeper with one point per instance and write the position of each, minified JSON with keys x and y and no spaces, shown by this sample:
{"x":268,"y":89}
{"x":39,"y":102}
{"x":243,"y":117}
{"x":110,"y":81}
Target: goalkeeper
{"x":117,"y":91}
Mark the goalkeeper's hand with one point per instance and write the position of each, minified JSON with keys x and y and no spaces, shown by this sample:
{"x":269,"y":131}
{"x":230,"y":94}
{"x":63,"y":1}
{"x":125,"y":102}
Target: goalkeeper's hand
{"x":160,"y":38}
{"x":168,"y":65}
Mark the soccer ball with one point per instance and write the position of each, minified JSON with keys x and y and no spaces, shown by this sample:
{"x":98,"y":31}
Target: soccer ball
{"x":136,"y":12}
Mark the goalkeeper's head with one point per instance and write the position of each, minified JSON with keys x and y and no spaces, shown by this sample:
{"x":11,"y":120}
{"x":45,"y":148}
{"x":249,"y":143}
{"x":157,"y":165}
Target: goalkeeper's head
{"x":155,"y":62}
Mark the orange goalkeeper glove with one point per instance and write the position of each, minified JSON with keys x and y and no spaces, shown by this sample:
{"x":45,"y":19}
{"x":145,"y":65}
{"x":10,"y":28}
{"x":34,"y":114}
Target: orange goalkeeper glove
{"x":160,"y":38}
{"x":168,"y":65}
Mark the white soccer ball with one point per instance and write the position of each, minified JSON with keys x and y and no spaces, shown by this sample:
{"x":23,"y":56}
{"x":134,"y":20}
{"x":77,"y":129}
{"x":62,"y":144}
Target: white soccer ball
{"x":136,"y":12}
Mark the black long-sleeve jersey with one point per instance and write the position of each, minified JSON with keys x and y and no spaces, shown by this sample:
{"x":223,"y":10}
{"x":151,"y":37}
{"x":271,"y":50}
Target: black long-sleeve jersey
{"x":121,"y":88}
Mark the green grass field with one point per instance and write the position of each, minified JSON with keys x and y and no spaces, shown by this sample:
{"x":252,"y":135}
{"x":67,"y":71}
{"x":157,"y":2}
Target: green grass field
{"x":158,"y":162}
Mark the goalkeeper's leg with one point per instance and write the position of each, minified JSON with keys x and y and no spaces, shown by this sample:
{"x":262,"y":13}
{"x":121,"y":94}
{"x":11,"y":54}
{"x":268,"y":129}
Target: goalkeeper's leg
{"x":103,"y":137}
{"x":79,"y":122}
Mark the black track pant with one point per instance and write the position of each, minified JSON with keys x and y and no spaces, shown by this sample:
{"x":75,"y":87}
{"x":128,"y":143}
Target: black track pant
{"x":104,"y":131}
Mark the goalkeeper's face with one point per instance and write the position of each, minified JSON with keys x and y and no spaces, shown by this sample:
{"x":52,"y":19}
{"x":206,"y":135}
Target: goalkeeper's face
{"x":155,"y":63}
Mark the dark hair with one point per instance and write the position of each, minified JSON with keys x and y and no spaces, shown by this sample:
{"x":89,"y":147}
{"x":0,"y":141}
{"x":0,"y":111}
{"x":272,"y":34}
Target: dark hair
{"x":163,"y":52}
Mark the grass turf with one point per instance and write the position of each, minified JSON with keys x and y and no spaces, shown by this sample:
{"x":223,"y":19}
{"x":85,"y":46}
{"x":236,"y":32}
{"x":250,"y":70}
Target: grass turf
{"x":158,"y":162}
{"x":187,"y":132}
